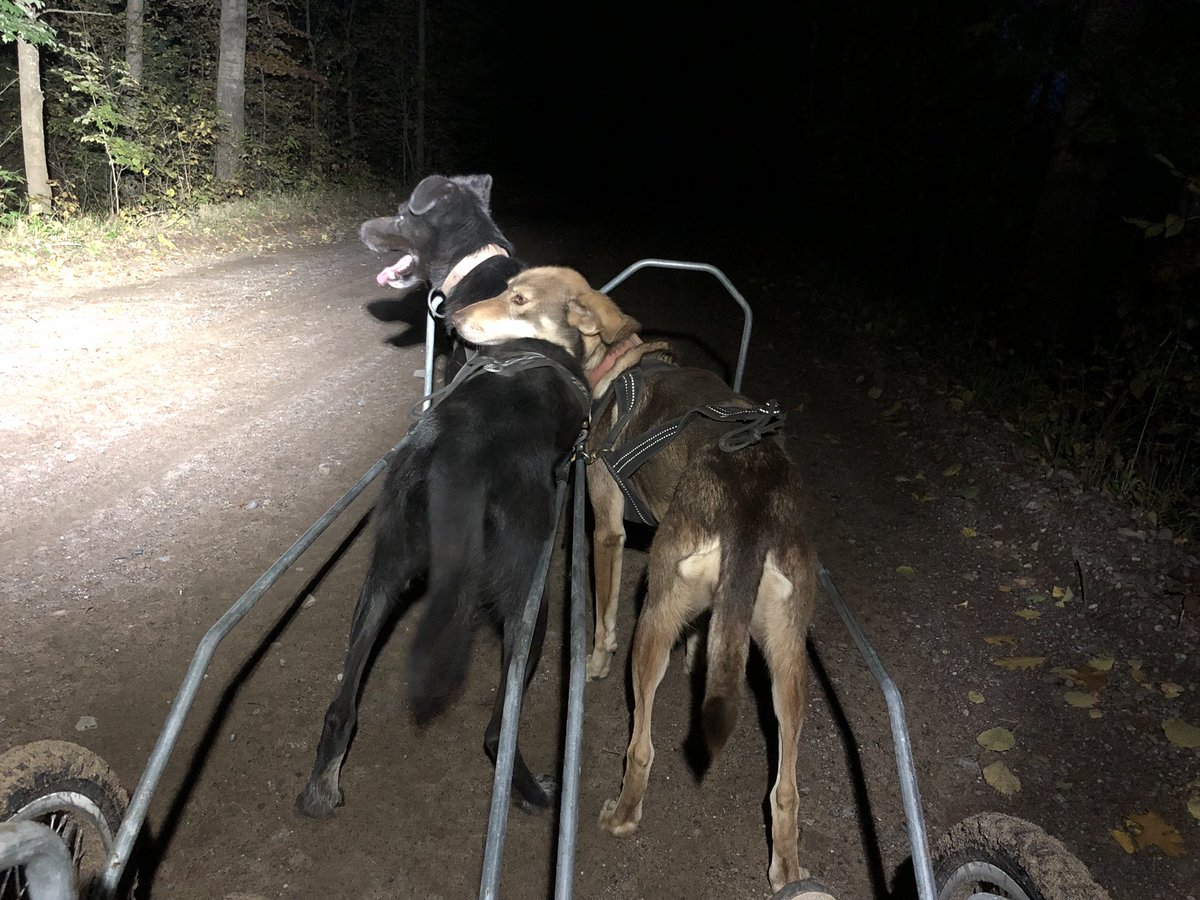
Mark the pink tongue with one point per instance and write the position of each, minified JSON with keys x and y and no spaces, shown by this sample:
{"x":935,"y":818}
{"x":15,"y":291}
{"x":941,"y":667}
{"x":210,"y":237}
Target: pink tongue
{"x":402,"y":267}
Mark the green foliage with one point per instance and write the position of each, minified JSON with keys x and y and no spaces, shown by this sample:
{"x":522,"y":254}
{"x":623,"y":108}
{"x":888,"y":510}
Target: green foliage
{"x":12,"y":197}
{"x":130,"y":149}
{"x":19,"y":21}
{"x":1172,"y":223}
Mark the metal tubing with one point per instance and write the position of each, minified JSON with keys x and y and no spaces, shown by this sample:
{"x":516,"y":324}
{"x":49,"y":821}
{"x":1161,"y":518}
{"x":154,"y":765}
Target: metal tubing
{"x":138,"y":807}
{"x":747,"y":315}
{"x":49,"y":873}
{"x":433,"y":310}
{"x":918,"y":840}
{"x":568,"y":811}
{"x":493,"y":851}
{"x":428,"y":381}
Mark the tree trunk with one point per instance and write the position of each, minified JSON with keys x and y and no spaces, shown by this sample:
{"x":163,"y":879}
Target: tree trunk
{"x":33,"y":138}
{"x":1060,"y":252}
{"x":231,"y":89}
{"x":420,"y":135}
{"x":135,"y":17}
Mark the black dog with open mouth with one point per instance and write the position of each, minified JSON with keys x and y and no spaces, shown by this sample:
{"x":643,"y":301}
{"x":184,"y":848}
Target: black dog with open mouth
{"x":445,"y":237}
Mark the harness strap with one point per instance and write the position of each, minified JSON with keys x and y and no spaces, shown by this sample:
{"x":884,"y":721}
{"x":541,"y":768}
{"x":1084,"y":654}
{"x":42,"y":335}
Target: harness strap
{"x":505,"y":364}
{"x":627,"y":390}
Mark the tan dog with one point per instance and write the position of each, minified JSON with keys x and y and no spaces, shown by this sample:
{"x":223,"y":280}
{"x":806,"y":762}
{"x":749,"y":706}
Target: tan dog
{"x":730,"y":539}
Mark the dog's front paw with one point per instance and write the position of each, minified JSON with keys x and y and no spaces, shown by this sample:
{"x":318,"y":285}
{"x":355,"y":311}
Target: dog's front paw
{"x":534,"y":805}
{"x":598,"y":665}
{"x":318,"y":800}
{"x":614,"y":824}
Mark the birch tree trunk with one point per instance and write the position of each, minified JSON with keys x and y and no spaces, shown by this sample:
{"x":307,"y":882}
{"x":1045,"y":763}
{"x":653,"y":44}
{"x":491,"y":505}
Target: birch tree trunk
{"x":231,"y":89}
{"x":33,"y":137}
{"x":135,"y":17}
{"x":419,"y":139}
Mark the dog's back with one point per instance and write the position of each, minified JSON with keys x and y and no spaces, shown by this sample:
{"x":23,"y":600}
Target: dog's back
{"x":747,"y":506}
{"x":492,"y":446}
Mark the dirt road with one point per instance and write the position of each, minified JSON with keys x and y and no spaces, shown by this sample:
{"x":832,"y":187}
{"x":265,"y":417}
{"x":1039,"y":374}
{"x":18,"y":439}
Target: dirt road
{"x":162,"y":443}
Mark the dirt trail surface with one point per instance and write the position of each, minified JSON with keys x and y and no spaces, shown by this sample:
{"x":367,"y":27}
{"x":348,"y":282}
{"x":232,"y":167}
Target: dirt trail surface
{"x":161,"y":444}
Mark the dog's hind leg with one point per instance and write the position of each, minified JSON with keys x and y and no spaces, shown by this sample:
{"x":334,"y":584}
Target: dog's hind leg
{"x":376,"y":602}
{"x":782,"y":638}
{"x":679,"y":589}
{"x":530,"y":793}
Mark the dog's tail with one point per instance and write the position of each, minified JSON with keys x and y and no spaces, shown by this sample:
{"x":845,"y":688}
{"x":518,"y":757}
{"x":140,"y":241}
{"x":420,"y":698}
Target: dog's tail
{"x":729,"y":640}
{"x":441,"y":651}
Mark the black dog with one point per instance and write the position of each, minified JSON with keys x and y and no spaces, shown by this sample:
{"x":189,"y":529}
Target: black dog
{"x":469,"y":500}
{"x":446,"y":237}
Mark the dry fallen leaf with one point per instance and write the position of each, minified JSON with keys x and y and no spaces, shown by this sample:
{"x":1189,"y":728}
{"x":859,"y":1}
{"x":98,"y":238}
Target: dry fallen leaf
{"x":1181,"y":733}
{"x":1000,"y":778}
{"x":1028,"y":613}
{"x":1085,"y":677}
{"x":1149,"y":830}
{"x":975,"y":696}
{"x":951,"y":471}
{"x":1124,"y":839}
{"x":998,"y":639}
{"x":1012,"y":663}
{"x":997,"y":739}
{"x":1004,"y":588}
{"x":1080,"y":699}
{"x":1194,"y":806}
{"x":1101,"y":663}
{"x":969,"y":532}
{"x":875,"y":393}
{"x":1056,"y":592}
{"x":1170,"y":689}
{"x":906,"y":571}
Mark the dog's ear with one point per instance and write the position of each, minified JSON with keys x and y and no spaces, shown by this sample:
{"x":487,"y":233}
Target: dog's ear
{"x":426,"y":194}
{"x":480,"y":186}
{"x":593,"y":313}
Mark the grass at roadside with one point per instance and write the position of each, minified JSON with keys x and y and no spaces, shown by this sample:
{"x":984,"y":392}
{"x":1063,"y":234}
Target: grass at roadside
{"x":1122,"y":414}
{"x":37,"y":255}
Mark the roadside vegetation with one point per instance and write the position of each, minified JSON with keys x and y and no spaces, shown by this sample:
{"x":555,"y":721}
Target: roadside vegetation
{"x":1119,"y":410}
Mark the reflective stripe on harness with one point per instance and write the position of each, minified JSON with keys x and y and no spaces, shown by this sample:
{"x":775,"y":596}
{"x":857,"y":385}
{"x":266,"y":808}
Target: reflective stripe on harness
{"x":627,"y":392}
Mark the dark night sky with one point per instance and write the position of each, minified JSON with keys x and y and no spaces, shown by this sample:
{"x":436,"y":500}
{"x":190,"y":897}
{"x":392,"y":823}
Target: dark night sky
{"x":684,"y":100}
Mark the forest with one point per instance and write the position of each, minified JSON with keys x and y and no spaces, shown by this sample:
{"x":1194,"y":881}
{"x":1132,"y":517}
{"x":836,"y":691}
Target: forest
{"x":1013,"y":186}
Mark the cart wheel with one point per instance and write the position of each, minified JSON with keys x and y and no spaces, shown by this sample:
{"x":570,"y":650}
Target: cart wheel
{"x":71,"y":790}
{"x":1008,"y":857}
{"x":808,"y":889}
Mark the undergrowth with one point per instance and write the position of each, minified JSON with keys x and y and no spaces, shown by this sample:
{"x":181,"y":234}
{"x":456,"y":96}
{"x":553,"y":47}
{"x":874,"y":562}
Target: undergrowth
{"x":103,"y":247}
{"x":1122,"y":411}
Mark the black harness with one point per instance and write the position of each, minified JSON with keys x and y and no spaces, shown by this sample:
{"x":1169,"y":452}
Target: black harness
{"x":627,"y":391}
{"x":507,"y":363}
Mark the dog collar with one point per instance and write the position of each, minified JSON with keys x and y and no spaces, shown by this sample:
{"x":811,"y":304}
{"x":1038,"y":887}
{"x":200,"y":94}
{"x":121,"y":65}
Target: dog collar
{"x":610,"y":359}
{"x":467,"y":263}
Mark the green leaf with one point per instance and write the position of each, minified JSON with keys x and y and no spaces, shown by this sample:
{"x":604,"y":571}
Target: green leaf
{"x":1173,"y":225}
